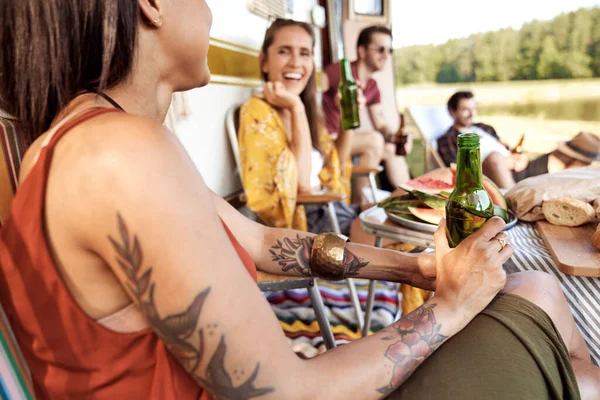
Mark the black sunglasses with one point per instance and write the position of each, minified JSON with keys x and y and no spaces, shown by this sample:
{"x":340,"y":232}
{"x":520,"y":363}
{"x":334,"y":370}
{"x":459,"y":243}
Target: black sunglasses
{"x":382,"y":49}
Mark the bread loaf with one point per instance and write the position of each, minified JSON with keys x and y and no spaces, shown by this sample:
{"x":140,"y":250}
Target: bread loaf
{"x":596,"y":238}
{"x":567,"y":211}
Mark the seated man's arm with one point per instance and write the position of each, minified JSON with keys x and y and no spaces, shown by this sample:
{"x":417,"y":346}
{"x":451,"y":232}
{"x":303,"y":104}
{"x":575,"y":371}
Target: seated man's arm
{"x":324,"y":81}
{"x":378,"y":119}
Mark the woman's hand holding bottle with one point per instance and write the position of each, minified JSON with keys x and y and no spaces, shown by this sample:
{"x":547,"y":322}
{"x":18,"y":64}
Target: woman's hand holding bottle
{"x":470,"y":275}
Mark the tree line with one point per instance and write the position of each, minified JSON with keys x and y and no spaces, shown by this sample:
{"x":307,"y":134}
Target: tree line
{"x":567,"y":46}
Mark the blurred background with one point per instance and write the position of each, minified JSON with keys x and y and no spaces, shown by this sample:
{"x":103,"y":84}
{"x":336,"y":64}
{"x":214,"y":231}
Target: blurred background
{"x":534,"y":66}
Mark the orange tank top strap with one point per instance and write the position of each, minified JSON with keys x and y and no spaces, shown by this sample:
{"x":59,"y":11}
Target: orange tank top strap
{"x":64,"y":126}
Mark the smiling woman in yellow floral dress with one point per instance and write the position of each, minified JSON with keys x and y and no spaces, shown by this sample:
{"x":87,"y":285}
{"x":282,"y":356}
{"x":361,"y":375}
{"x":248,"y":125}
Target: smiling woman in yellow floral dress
{"x":284,"y":146}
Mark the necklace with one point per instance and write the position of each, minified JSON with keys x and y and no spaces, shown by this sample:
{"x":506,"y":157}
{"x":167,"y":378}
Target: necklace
{"x":110,"y":100}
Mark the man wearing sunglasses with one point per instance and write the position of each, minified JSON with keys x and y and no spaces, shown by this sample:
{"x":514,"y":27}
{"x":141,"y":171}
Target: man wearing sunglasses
{"x":374,"y":48}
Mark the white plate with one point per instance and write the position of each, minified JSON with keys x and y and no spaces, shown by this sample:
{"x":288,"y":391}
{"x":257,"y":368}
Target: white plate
{"x":418,"y":226}
{"x":426,"y":227}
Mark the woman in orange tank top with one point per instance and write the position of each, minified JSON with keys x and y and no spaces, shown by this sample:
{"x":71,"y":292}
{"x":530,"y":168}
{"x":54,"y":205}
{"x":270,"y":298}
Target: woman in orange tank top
{"x":121,"y":280}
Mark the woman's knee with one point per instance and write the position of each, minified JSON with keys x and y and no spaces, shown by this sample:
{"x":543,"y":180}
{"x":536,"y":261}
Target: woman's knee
{"x":540,"y":288}
{"x":544,"y":291}
{"x":372,"y":147}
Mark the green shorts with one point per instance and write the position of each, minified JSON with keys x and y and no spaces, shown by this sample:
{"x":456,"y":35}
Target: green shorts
{"x":512,"y":350}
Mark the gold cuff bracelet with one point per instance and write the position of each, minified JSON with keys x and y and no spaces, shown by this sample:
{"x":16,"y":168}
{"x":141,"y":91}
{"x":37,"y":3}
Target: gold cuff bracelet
{"x":327,"y":256}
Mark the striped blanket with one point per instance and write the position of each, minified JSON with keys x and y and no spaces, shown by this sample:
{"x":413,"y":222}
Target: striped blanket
{"x":582,"y":293}
{"x":297,"y":318}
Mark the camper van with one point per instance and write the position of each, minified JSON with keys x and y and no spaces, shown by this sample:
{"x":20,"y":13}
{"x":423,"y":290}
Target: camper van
{"x":199,"y":117}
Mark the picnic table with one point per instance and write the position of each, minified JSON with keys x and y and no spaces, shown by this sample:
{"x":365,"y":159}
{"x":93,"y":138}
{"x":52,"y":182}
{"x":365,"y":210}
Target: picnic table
{"x":530,"y":253}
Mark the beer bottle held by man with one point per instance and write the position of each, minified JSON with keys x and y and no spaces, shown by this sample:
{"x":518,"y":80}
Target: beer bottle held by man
{"x":469,"y":205}
{"x":349,"y":97}
{"x":518,"y":149}
{"x":401,"y":138}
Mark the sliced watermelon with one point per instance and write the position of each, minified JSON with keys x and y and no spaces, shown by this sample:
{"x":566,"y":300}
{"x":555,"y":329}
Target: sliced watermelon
{"x":489,"y":186}
{"x":404,"y":215}
{"x":425,"y":184}
{"x":433,"y":201}
{"x":427,"y":214}
{"x":494,"y":193}
{"x":501,"y":212}
{"x":401,"y":203}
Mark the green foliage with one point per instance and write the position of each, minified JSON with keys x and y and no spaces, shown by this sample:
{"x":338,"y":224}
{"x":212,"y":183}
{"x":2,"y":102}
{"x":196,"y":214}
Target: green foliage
{"x":566,"y":47}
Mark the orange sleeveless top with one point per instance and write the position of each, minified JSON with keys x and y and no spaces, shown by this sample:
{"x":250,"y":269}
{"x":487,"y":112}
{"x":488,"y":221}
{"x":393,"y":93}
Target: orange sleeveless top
{"x":69,"y":354}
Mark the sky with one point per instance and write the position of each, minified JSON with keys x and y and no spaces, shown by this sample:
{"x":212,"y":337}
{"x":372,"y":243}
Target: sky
{"x":436,"y":21}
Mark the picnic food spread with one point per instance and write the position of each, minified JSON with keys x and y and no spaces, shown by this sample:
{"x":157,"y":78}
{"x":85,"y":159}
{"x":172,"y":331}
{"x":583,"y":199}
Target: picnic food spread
{"x":526,"y":198}
{"x":427,"y":195}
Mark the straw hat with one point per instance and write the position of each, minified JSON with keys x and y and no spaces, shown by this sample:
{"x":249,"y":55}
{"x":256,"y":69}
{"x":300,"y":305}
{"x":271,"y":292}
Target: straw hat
{"x":583,"y":147}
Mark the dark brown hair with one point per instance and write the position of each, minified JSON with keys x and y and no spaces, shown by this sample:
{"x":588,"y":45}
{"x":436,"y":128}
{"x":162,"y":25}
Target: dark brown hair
{"x":457,"y":97}
{"x":309,"y":94}
{"x":52,"y":50}
{"x":366,"y":35}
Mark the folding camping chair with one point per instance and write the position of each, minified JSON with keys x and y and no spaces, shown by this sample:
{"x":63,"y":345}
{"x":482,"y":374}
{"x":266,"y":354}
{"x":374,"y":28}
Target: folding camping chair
{"x":15,"y":380}
{"x":232,"y":125}
{"x":431,"y":122}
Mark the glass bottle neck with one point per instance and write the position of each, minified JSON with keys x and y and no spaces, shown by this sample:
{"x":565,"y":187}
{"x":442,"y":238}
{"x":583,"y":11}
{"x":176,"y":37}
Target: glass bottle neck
{"x":346,"y":71}
{"x":468,"y":167}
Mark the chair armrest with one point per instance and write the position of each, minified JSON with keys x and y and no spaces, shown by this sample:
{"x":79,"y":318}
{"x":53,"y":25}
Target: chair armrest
{"x":270,"y":283}
{"x":319,"y":198}
{"x":263,"y":277}
{"x":362,"y":170}
{"x":307,"y":198}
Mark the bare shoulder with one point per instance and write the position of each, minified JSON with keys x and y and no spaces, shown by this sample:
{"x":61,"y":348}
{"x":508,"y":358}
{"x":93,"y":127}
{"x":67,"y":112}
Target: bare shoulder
{"x":119,"y":162}
{"x":119,"y":144}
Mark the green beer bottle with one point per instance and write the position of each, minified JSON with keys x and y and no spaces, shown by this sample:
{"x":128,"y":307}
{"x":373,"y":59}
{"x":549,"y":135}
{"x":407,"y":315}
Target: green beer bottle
{"x":349,"y":92}
{"x":469,"y":206}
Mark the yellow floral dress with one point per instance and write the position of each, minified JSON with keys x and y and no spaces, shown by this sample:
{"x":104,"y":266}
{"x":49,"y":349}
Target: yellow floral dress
{"x":269,"y":170}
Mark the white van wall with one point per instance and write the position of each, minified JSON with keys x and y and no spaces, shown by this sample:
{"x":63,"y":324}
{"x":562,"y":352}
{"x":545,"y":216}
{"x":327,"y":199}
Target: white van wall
{"x":198,"y":116}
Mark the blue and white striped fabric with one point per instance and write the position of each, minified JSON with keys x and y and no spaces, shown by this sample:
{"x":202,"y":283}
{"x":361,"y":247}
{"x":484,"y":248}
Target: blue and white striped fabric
{"x":582,"y":293}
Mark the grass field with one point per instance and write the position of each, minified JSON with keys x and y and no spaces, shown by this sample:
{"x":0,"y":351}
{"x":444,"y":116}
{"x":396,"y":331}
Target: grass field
{"x":546,"y":111}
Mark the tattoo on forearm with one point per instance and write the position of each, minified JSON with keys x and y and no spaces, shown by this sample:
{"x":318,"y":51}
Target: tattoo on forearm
{"x":353,"y":263}
{"x":419,"y":337}
{"x":180,"y":332}
{"x":294,"y":255}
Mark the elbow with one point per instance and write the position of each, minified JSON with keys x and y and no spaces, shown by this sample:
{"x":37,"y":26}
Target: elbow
{"x":304,"y":188}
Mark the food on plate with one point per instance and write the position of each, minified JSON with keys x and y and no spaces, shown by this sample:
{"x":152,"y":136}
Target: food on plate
{"x":427,"y":196}
{"x":566,"y":211}
{"x":502,"y":213}
{"x":440,"y":182}
{"x":427,"y":214}
{"x":431,"y":200}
